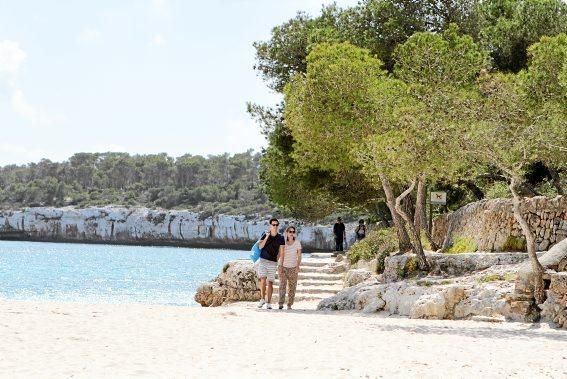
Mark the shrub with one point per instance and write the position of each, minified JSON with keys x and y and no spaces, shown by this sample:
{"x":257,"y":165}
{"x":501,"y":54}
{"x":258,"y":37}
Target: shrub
{"x":490,"y":278}
{"x":378,"y":243}
{"x":514,"y":244}
{"x":462,"y":245}
{"x":498,"y":190}
{"x":424,"y":241}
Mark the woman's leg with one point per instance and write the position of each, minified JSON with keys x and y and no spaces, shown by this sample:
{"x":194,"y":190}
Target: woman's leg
{"x":293,"y":274}
{"x":282,"y":287}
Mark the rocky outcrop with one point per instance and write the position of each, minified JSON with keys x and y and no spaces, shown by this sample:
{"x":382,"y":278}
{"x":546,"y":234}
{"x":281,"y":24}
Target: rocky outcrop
{"x":555,"y":306}
{"x":491,"y":226}
{"x":459,"y":298}
{"x":462,"y":286}
{"x":237,"y":282}
{"x":151,"y":226}
{"x":399,"y":267}
{"x":555,"y":259}
{"x":356,"y":276}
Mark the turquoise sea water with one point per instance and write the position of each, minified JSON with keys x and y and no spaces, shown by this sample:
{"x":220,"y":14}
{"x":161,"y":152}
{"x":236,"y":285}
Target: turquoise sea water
{"x":107,"y":273}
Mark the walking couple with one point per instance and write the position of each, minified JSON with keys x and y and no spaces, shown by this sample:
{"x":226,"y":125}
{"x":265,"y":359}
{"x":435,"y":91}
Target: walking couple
{"x":282,"y":254}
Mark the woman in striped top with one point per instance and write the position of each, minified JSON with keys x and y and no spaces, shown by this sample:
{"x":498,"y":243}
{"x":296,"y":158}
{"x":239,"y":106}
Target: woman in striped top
{"x":289,"y":267}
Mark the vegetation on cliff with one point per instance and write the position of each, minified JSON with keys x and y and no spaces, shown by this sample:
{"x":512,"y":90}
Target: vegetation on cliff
{"x":214,"y":184}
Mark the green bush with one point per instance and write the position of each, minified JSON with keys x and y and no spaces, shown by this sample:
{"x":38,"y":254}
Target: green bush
{"x":410,"y":268}
{"x":514,"y":244}
{"x":462,"y":245}
{"x":490,"y":278}
{"x":497,"y":190}
{"x":378,"y":243}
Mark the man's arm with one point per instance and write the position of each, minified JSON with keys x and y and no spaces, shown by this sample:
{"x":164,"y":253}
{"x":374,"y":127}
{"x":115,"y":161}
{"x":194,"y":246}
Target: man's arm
{"x":262,"y":241}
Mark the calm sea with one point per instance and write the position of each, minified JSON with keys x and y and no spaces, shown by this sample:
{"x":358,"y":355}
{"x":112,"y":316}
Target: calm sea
{"x":43,"y":271}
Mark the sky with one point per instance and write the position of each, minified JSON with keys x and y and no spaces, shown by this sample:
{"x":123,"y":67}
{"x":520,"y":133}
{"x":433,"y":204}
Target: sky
{"x":136,"y":76}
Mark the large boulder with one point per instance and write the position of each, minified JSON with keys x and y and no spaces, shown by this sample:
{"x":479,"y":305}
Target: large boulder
{"x":555,"y":306}
{"x":237,"y":282}
{"x":430,"y":299}
{"x":399,"y":267}
{"x":356,"y":276}
{"x":555,"y":259}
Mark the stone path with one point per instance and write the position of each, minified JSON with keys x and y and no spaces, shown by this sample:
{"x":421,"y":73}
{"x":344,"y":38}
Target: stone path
{"x":316,"y":280}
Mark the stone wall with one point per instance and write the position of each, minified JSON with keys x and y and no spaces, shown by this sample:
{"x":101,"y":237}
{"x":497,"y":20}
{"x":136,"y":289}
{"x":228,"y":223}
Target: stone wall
{"x":150,"y":226}
{"x":490,"y":224}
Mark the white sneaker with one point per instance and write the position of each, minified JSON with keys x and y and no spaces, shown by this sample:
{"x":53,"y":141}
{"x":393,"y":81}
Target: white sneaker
{"x":268,"y":306}
{"x":261,"y":303}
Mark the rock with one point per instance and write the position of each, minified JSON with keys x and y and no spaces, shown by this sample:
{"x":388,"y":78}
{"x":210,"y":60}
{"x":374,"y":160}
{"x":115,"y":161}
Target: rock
{"x":402,"y":266}
{"x":237,"y":282}
{"x":356,"y":276}
{"x":439,"y":305}
{"x":337,"y":267}
{"x":153,"y":226}
{"x":554,"y":309}
{"x":434,"y":302}
{"x":487,"y":301}
{"x":490,"y":224}
{"x":369,"y":265}
{"x":553,"y":259}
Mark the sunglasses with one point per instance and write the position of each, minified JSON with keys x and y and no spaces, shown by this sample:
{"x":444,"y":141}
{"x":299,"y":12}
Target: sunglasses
{"x":275,"y":224}
{"x":291,"y":231}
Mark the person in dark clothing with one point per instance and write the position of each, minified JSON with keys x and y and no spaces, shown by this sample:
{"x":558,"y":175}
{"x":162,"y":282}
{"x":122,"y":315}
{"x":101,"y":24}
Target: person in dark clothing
{"x":271,"y":246}
{"x":360,"y":230}
{"x":339,"y":233}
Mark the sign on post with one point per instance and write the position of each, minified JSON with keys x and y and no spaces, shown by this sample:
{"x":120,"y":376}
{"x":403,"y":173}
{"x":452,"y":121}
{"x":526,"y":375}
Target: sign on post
{"x":438,"y":198}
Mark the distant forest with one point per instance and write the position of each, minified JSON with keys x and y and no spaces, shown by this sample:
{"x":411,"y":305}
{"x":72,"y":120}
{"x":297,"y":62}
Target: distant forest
{"x":215,"y":184}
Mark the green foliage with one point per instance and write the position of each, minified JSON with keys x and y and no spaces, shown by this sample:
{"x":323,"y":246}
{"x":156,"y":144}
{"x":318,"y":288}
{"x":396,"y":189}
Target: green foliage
{"x":424,"y":241}
{"x":508,"y":277}
{"x":462,"y":245}
{"x":497,"y":190}
{"x":378,"y":243}
{"x":217,"y":184}
{"x":508,"y":27}
{"x":514,"y":244}
{"x":435,"y":60}
{"x":410,"y":268}
{"x":490,"y":278}
{"x":547,"y":67}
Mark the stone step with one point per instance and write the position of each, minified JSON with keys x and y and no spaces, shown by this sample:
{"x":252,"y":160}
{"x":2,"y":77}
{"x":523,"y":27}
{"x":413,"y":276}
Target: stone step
{"x":315,"y":262}
{"x":311,"y":282}
{"x":313,"y":290}
{"x":305,"y":269}
{"x":305,"y":297}
{"x":320,"y":276}
{"x":323,"y":255}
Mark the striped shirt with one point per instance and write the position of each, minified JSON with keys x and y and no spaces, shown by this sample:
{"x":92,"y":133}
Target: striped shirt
{"x":290,"y":254}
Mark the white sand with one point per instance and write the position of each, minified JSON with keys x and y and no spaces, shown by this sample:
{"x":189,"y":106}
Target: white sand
{"x":62,"y":340}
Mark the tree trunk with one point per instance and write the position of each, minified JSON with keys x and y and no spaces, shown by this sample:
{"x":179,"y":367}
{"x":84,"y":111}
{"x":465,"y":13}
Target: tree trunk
{"x":417,"y":247}
{"x":420,"y":216}
{"x":539,"y":293}
{"x":403,"y":238}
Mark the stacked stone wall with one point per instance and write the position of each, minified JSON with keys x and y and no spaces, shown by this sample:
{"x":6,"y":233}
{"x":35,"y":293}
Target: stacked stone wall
{"x":491,"y":225}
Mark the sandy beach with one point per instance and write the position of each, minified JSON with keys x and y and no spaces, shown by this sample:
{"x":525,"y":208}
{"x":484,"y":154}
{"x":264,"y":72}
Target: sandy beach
{"x":102,"y":340}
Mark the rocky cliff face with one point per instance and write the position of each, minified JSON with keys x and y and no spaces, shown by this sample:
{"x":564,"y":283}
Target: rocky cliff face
{"x":150,"y":226}
{"x":490,"y":224}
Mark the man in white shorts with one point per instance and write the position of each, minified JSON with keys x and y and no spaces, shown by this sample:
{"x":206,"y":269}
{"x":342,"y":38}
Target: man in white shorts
{"x":272,"y":246}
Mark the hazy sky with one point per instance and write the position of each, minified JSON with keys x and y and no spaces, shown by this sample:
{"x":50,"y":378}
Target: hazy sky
{"x":140,"y":76}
